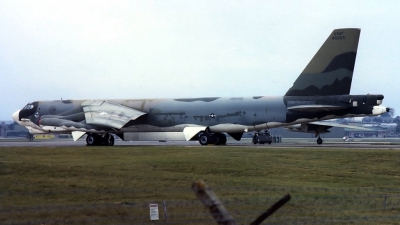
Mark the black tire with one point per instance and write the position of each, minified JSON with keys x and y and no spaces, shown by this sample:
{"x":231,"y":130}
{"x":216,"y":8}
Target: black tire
{"x":91,"y":139}
{"x":319,"y":141}
{"x":220,"y":139}
{"x":110,"y":140}
{"x":215,"y":139}
{"x":104,"y":140}
{"x":204,"y":139}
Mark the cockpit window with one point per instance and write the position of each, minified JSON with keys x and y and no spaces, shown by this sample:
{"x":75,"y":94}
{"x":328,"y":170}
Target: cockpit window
{"x":29,"y":106}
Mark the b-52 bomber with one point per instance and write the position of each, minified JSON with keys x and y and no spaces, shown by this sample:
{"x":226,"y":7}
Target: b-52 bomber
{"x":321,"y":92}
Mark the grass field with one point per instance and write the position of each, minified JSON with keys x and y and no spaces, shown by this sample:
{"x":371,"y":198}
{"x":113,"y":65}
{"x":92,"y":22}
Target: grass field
{"x":114,"y":185}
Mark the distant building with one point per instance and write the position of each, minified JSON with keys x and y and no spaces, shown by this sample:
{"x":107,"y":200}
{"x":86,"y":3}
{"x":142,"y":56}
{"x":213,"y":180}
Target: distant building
{"x":335,"y":132}
{"x":3,"y":133}
{"x":12,"y":130}
{"x":373,"y":133}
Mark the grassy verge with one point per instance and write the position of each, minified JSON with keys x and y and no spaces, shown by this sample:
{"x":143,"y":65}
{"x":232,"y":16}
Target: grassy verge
{"x":103,"y":185}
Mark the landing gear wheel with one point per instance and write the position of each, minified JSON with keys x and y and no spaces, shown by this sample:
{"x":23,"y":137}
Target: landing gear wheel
{"x":91,"y":139}
{"x":204,"y":139}
{"x":110,"y":140}
{"x":319,"y":141}
{"x":104,"y":139}
{"x":220,"y":139}
{"x":97,"y":139}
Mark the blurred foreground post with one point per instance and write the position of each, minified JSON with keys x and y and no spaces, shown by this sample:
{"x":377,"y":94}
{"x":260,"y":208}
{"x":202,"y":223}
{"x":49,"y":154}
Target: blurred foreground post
{"x":211,"y":201}
{"x":271,"y":210}
{"x":218,"y":210}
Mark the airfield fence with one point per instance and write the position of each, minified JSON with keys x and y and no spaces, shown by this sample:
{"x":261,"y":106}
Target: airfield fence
{"x":307,"y":206}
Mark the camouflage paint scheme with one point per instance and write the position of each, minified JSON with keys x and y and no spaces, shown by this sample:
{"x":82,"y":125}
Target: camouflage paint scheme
{"x":321,"y":92}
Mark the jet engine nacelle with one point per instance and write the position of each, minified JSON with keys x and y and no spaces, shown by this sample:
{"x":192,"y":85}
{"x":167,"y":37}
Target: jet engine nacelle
{"x":62,"y":125}
{"x":52,"y":121}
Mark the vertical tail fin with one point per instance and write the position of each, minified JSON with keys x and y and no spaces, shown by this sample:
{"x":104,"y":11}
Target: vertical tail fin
{"x":330,"y":71}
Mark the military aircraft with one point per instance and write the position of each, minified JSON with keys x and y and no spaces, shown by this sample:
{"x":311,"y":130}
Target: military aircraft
{"x":321,"y":92}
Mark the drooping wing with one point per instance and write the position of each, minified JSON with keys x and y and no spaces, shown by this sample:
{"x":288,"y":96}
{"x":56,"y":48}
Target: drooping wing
{"x":109,"y":114}
{"x":319,"y":127}
{"x":316,"y":108}
{"x":333,"y":124}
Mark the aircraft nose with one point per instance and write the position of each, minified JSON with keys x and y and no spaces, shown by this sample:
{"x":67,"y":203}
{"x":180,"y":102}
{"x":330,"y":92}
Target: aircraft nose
{"x":15,"y":116}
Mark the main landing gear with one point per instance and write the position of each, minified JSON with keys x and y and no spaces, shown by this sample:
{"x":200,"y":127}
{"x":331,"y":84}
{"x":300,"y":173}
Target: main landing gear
{"x":206,"y":138}
{"x":100,"y":139}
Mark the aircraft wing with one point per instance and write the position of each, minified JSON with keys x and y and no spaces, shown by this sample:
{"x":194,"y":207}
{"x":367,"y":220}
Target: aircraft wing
{"x":319,"y":127}
{"x":333,"y":124}
{"x":316,"y":108}
{"x":105,"y":113}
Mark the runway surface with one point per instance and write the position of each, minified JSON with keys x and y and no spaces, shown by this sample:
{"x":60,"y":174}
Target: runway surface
{"x":292,"y":143}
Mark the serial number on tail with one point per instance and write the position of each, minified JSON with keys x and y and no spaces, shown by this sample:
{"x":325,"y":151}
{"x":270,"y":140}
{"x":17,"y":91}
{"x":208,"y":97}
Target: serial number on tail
{"x":338,"y":36}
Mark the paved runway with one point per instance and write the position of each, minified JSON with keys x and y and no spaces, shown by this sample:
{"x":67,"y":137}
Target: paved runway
{"x":292,"y":143}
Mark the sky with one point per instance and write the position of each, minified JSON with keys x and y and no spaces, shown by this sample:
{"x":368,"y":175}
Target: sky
{"x":51,"y":50}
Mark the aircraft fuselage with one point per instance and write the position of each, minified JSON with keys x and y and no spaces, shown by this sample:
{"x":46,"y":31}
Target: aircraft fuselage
{"x":232,"y":115}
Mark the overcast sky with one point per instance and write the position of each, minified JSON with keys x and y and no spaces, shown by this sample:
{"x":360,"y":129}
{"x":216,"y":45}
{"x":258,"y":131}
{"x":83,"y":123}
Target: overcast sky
{"x":151,"y":49}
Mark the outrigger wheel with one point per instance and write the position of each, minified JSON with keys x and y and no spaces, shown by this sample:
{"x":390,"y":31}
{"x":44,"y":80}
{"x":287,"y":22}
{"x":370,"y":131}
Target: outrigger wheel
{"x":319,"y":140}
